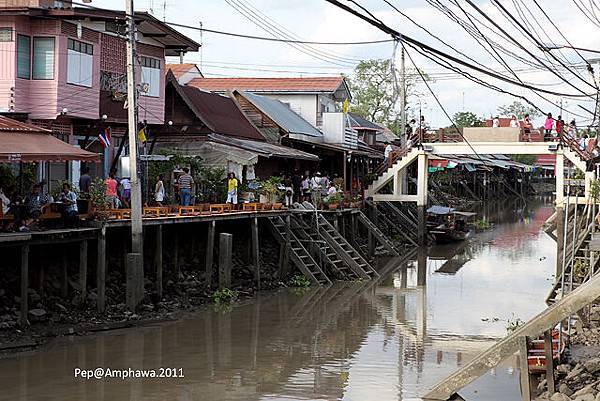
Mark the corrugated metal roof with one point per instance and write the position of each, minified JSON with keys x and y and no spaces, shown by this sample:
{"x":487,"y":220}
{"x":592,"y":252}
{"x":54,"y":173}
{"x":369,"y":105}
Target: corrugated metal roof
{"x":282,"y":115}
{"x":359,"y":122}
{"x":10,"y":125}
{"x":264,"y":149}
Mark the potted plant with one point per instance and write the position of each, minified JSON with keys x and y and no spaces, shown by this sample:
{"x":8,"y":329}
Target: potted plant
{"x":100,"y":201}
{"x":333,"y":201}
{"x":271,"y":188}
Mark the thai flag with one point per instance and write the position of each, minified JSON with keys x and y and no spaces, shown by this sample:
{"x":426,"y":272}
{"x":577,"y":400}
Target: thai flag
{"x":104,"y":137}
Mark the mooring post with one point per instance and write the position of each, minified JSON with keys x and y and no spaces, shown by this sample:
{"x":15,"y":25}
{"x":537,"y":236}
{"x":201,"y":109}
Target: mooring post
{"x":83,"y":259}
{"x":524,"y":369}
{"x":560,"y":237}
{"x":176,"y":254}
{"x":549,"y":361}
{"x":256,"y":251}
{"x":210,"y":249}
{"x":131,"y":262}
{"x":101,"y":270}
{"x":24,"y":285}
{"x":422,"y":192}
{"x":225,"y":259}
{"x":158,"y":260}
{"x":65,"y":274}
{"x":284,"y":260}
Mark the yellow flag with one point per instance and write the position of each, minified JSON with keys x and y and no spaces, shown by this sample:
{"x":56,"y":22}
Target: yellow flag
{"x":142,"y":135}
{"x":346,"y":106}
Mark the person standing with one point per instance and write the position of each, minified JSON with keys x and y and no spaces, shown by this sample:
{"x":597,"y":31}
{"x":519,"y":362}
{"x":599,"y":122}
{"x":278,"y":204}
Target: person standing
{"x":315,"y":189}
{"x":548,"y":125}
{"x":111,"y":190}
{"x":496,"y":122}
{"x":296,"y":184}
{"x":126,"y":196}
{"x":560,"y":126}
{"x":289,"y":192}
{"x":185,"y":182}
{"x":159,"y":190}
{"x":85,"y":181}
{"x":232,"y":190}
{"x":305,"y":187}
{"x":514,"y":123}
{"x":386,"y":154}
{"x":70,"y":211}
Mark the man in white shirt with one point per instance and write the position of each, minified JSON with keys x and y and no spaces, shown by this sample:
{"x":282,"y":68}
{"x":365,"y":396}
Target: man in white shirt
{"x":496,"y":122}
{"x":386,"y":153}
{"x":514,"y":123}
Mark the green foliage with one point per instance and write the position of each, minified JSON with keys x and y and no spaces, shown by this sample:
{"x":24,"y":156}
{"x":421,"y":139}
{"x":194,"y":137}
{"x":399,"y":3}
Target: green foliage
{"x":224,"y":296}
{"x":270,"y":188}
{"x":577,"y":175}
{"x":580,"y":269}
{"x":525,"y":159}
{"x":333,"y":199}
{"x":467,"y":119}
{"x":373,"y":92}
{"x":595,"y":190}
{"x":482,"y":224}
{"x":300,"y":281}
{"x":519,"y":110}
{"x":513,"y":323}
{"x":98,"y":193}
{"x":213,"y":187}
{"x":11,"y":178}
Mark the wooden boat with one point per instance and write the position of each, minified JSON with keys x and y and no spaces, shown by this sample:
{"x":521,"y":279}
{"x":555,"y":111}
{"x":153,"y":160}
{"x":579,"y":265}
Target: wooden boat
{"x":536,"y":358}
{"x":447,"y":224}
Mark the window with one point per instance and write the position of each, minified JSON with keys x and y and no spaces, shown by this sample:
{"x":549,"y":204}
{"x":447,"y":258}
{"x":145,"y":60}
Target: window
{"x":23,"y":56}
{"x":151,"y":76}
{"x":43,"y":58}
{"x":6,"y":35}
{"x":80,"y":61}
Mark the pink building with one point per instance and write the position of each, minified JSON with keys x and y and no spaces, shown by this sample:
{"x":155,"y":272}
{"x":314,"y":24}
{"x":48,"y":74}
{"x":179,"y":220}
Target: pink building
{"x":64,"y":68}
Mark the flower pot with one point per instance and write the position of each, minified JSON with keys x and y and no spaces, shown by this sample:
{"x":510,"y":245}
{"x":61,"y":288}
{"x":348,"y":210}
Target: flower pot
{"x":267,"y":206}
{"x":332,"y":206}
{"x":277,"y":206}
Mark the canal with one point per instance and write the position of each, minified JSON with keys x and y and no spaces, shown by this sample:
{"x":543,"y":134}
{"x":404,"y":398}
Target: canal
{"x":382,"y":341}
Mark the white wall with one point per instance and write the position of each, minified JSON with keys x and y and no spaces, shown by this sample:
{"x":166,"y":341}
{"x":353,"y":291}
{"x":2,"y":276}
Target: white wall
{"x":333,"y":127}
{"x":305,"y":105}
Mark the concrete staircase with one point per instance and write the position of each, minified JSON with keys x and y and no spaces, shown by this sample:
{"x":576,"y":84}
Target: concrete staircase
{"x":397,"y":165}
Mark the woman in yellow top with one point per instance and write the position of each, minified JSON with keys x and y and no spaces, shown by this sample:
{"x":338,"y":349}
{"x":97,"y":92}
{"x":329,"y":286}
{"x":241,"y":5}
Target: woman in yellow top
{"x":232,"y":189}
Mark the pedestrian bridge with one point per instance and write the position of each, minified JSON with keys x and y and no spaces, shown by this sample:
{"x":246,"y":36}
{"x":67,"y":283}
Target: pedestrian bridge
{"x":395,"y":170}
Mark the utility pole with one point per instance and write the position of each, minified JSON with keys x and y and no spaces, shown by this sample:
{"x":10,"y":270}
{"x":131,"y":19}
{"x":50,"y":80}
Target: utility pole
{"x":402,"y":91}
{"x":137,"y":239}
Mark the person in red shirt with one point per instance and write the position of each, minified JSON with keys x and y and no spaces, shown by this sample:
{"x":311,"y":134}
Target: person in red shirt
{"x":560,"y":125}
{"x":111,"y":190}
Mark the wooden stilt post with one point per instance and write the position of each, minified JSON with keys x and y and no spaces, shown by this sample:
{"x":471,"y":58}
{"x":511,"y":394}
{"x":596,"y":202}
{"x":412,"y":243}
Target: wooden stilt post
{"x":549,"y":361}
{"x":225,"y":259}
{"x":83,"y":259}
{"x":176,"y":254}
{"x":158,"y":260}
{"x":132,"y":260}
{"x":524,"y":369}
{"x":101,"y":270}
{"x":560,"y":234}
{"x":65,"y":275}
{"x":256,"y":251}
{"x":24,"y":285}
{"x":284,"y":261}
{"x":210,"y":249}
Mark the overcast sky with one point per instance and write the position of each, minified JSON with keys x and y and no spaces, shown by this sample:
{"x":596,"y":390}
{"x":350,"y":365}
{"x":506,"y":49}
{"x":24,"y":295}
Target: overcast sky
{"x":317,"y":20}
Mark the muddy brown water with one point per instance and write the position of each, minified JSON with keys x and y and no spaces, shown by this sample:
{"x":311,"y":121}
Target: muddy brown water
{"x":389,"y":340}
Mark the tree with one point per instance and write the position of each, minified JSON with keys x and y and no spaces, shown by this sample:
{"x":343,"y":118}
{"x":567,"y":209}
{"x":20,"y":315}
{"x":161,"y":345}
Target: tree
{"x":519,"y":110}
{"x":525,"y":159}
{"x":374,"y":95}
{"x":467,"y":119}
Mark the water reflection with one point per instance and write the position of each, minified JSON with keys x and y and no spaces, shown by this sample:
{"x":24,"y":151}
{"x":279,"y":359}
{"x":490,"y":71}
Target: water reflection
{"x":385,"y":340}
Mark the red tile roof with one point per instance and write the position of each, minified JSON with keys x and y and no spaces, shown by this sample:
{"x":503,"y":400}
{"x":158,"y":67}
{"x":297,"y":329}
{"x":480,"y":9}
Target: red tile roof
{"x":299,"y":84}
{"x":179,"y":69}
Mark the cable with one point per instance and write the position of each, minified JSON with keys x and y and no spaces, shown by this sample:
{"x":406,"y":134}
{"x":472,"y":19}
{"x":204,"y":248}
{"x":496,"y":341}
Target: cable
{"x":451,"y":120}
